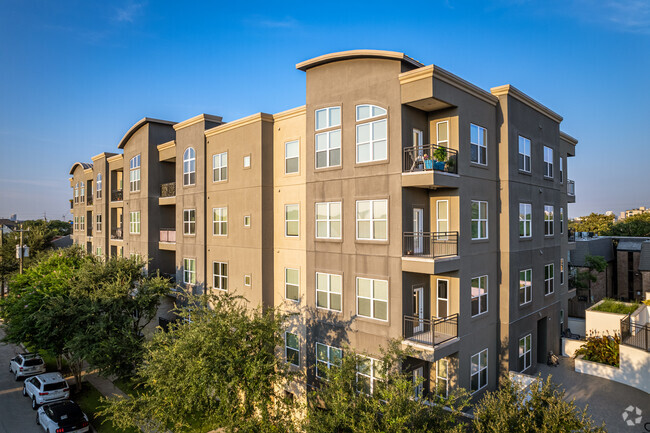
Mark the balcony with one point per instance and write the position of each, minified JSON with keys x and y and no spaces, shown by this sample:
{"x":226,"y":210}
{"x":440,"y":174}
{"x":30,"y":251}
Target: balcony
{"x":430,"y":332}
{"x":635,"y":334}
{"x":117,"y":195}
{"x":116,"y":234}
{"x":89,"y":231}
{"x":167,"y":239}
{"x":71,"y":204}
{"x":167,"y":194}
{"x":571,"y":190}
{"x":89,"y":200}
{"x":430,"y":166}
{"x":424,"y":249}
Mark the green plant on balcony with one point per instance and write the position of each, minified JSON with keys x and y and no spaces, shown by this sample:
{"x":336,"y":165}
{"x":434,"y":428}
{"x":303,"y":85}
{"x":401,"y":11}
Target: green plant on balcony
{"x":440,"y":154}
{"x":604,"y":349}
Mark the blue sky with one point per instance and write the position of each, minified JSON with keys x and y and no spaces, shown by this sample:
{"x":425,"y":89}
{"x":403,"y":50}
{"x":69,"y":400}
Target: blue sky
{"x":75,"y":75}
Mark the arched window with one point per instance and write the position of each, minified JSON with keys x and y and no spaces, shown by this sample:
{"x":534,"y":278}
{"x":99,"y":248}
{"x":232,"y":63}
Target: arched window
{"x":372,"y":137}
{"x":99,"y":186}
{"x":189,"y":167}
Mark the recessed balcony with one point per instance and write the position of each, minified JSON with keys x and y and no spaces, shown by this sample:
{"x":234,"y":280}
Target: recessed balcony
{"x":167,"y":239}
{"x":430,"y":252}
{"x":571,"y":190}
{"x":116,"y":234}
{"x":117,"y":195}
{"x":430,"y":332}
{"x":430,"y":166}
{"x":167,"y":194}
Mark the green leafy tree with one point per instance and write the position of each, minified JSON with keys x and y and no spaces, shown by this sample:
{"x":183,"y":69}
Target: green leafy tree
{"x":537,"y":409}
{"x":216,"y":368}
{"x":595,"y":265}
{"x":594,"y":222}
{"x":346,"y":402}
{"x":636,"y":225}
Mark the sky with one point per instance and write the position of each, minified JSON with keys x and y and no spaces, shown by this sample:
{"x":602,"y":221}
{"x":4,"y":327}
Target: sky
{"x":76,"y":75}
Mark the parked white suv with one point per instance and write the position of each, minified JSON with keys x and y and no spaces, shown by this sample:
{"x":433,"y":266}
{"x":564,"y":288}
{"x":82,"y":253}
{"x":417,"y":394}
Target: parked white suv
{"x":64,"y":416}
{"x":26,"y":364}
{"x":46,"y":388}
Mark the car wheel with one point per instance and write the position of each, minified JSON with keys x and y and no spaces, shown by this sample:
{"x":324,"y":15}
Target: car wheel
{"x":34,"y":405}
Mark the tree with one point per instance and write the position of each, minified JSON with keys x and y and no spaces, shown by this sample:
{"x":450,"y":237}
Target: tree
{"x":215,"y":368}
{"x":584,"y":278}
{"x":635,"y":225}
{"x":349,"y":402}
{"x":541,"y":408}
{"x":594,"y":222}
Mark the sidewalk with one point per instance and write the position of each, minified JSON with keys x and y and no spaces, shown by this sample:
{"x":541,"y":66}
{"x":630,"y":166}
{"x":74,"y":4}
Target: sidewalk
{"x":104,"y":386}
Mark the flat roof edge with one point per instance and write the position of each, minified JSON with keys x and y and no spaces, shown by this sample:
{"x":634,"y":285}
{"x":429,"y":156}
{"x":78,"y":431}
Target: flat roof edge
{"x":508,"y":89}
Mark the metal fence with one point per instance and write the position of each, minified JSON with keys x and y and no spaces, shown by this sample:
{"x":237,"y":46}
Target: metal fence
{"x":431,"y":332}
{"x":117,"y":195}
{"x":168,"y":189}
{"x":635,"y":335}
{"x":430,"y":244}
{"x":430,"y":157}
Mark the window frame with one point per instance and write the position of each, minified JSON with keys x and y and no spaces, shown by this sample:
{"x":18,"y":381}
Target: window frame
{"x":221,"y":222}
{"x":287,"y":220}
{"x":134,"y":172}
{"x":561,"y":220}
{"x":480,"y":372}
{"x":439,"y":142}
{"x":370,"y":122}
{"x":372,"y":375}
{"x":525,"y":141}
{"x":527,"y":220}
{"x":549,"y":281}
{"x":561,"y":163}
{"x":549,"y":223}
{"x":561,"y":271}
{"x":373,"y":299}
{"x":329,"y":221}
{"x":287,"y":284}
{"x":479,"y":297}
{"x":478,"y":220}
{"x":189,"y":167}
{"x":548,"y":164}
{"x":372,"y":220}
{"x":98,"y":187}
{"x":133,"y":224}
{"x":296,"y":157}
{"x":525,"y":356}
{"x":527,"y":288}
{"x":479,"y":145}
{"x":221,"y":276}
{"x":328,"y":149}
{"x":328,"y":291}
{"x":328,"y":362}
{"x":443,"y":378}
{"x":294,"y":349}
{"x":187,"y":272}
{"x":189,"y":222}
{"x":220,"y":166}
{"x":98,"y":222}
{"x":328,"y":117}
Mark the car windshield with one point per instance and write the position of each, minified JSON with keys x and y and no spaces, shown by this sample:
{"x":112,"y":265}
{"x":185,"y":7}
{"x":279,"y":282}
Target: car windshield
{"x":33,"y":361}
{"x":54,"y":386}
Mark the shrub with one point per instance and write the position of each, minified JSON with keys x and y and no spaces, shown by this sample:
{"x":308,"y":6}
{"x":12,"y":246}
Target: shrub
{"x":613,"y":306}
{"x":603,"y":349}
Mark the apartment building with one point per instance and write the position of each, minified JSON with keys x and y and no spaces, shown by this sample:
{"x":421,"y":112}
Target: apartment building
{"x":400,"y":202}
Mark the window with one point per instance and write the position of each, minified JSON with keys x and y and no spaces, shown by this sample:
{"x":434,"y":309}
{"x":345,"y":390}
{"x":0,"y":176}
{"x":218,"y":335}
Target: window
{"x":220,"y":275}
{"x":82,"y":192}
{"x":189,"y":221}
{"x":76,"y":193}
{"x":525,"y":286}
{"x":372,"y":219}
{"x":98,"y":222}
{"x":442,"y":217}
{"x":291,"y":220}
{"x":326,"y":358}
{"x":548,"y":162}
{"x":372,"y":298}
{"x":292,"y":157}
{"x":134,"y":174}
{"x":329,"y":289}
{"x":248,"y":280}
{"x":247,"y":161}
{"x":561,"y":271}
{"x":220,"y":221}
{"x":479,"y":220}
{"x":98,"y":192}
{"x":134,"y":222}
{"x":478,"y":148}
{"x":328,"y":220}
{"x":292,"y":284}
{"x":368,"y":374}
{"x":442,"y":134}
{"x":98,"y":252}
{"x":371,"y":136}
{"x":524,"y":154}
{"x":525,"y":353}
{"x":189,"y":167}
{"x":247,"y":220}
{"x":561,"y":320}
{"x":292,"y":349}
{"x":561,"y":170}
{"x":328,"y":149}
{"x":76,"y":224}
{"x":548,"y":220}
{"x":562,"y":220}
{"x":479,"y":370}
{"x":479,"y":295}
{"x":549,"y":274}
{"x":328,"y":118}
{"x":220,"y":167}
{"x":189,"y":271}
{"x":442,"y":377}
{"x":525,"y":219}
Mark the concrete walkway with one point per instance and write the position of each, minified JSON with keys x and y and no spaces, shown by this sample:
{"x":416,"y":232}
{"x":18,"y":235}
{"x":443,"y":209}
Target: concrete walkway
{"x":606,"y":399}
{"x":104,"y":386}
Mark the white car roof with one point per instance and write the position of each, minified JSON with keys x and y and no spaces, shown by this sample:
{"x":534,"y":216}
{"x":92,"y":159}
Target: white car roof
{"x":50,"y":377}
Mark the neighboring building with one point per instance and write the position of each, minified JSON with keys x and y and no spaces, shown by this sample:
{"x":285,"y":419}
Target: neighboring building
{"x":400,"y":202}
{"x":631,"y":212}
{"x":8,"y":225}
{"x":605,"y":284}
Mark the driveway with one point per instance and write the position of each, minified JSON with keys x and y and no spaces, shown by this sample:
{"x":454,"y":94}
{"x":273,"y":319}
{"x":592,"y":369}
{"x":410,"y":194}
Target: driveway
{"x":16,"y":414}
{"x":606,"y":399}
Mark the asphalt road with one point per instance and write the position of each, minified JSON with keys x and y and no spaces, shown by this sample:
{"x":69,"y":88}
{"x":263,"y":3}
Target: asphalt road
{"x":16,"y":414}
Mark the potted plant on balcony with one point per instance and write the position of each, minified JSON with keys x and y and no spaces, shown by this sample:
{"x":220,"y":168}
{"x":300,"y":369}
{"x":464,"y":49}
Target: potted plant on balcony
{"x":440,"y":154}
{"x":428,"y":163}
{"x":451,"y":164}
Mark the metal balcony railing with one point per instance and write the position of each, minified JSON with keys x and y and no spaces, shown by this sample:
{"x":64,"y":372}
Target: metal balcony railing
{"x":168,"y":189}
{"x":116,"y":233}
{"x":572,"y":235}
{"x":117,"y":195}
{"x":89,"y":231}
{"x":571,"y":187}
{"x":167,"y":235}
{"x":89,"y":200}
{"x":430,"y":244}
{"x":430,"y":157}
{"x":430,"y":332}
{"x":635,"y":335}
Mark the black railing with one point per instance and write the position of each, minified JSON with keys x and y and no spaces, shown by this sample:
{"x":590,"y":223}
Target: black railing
{"x":572,"y":235}
{"x":430,"y":157}
{"x":117,"y":195}
{"x":168,"y":189}
{"x":431,"y":332}
{"x":571,"y":187}
{"x":116,"y":233}
{"x":432,"y":245}
{"x":635,"y":335}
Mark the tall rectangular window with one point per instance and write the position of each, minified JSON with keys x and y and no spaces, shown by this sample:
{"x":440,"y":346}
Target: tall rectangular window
{"x":98,"y":222}
{"x":292,"y":284}
{"x":525,"y":286}
{"x":372,"y":298}
{"x":292,"y":220}
{"x":479,"y":219}
{"x":549,"y":220}
{"x":479,"y":295}
{"x":478,"y":148}
{"x":372,"y":219}
{"x":525,"y":352}
{"x":561,"y":170}
{"x":220,"y":167}
{"x":292,"y":157}
{"x":442,"y":377}
{"x":189,"y":271}
{"x":372,"y":144}
{"x":524,"y":154}
{"x":328,"y":220}
{"x":220,"y":221}
{"x":98,"y":191}
{"x":292,"y":349}
{"x":98,"y":252}
{"x":328,"y":144}
{"x":326,"y":358}
{"x":479,"y":370}
{"x":549,"y":274}
{"x":134,"y":174}
{"x":368,"y":374}
{"x":329,"y":291}
{"x":134,"y":222}
{"x":189,"y":221}
{"x":562,"y":220}
{"x":525,"y":219}
{"x":561,"y":271}
{"x":548,"y":162}
{"x":220,"y":275}
{"x":82,"y":222}
{"x":442,"y":134}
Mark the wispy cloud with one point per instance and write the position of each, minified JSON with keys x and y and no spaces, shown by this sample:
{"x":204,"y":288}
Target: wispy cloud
{"x":631,"y":16}
{"x":129,"y":12}
{"x":272,"y":23}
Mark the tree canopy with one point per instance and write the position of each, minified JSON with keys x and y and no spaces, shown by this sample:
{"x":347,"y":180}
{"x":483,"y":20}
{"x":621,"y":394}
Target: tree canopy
{"x":599,"y":224}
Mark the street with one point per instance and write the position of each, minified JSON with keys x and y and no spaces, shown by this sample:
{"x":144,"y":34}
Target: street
{"x":16,"y":414}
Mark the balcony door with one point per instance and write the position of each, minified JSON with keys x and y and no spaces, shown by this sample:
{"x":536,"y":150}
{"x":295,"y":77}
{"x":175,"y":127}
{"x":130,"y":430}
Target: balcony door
{"x":443,"y":298}
{"x":418,"y":381}
{"x":418,"y":142}
{"x":418,"y":229}
{"x":418,"y":309}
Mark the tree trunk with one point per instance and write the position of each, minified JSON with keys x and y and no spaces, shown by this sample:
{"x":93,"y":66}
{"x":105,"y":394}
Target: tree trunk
{"x":59,"y":362}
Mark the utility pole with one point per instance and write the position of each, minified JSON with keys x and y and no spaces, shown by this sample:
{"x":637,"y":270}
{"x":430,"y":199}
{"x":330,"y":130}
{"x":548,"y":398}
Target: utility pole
{"x":21,"y":249}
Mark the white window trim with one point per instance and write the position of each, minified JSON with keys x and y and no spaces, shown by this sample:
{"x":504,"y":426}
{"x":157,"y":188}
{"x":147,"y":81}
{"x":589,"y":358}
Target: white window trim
{"x":218,"y":158}
{"x":373,"y":299}
{"x":561,"y":220}
{"x":371,"y":139}
{"x":444,"y":378}
{"x":561,"y":271}
{"x":529,"y":351}
{"x":328,"y":120}
{"x":528,"y":211}
{"x":561,"y":170}
{"x":549,"y":281}
{"x":189,"y":226}
{"x":219,"y":211}
{"x":187,"y":273}
{"x":549,"y":222}
{"x":479,"y":219}
{"x":370,"y":106}
{"x":286,"y":221}
{"x":328,"y":291}
{"x":286,"y":349}
{"x":528,"y":288}
{"x":189,"y":156}
{"x":329,"y":220}
{"x":133,"y":224}
{"x":372,"y":220}
{"x":372,"y":375}
{"x":438,"y":298}
{"x":221,"y":277}
{"x":291,"y":157}
{"x":291,"y":284}
{"x":478,"y":372}
{"x":439,"y":142}
{"x":548,"y":165}
{"x":327,"y":150}
{"x":525,"y":155}
{"x":439,"y":218}
{"x":98,"y":222}
{"x":133,"y":170}
{"x":478,"y":154}
{"x":487,"y":297}
{"x":327,"y":362}
{"x":248,"y":277}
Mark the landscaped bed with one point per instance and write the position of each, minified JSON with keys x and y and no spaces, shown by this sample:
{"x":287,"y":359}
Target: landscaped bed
{"x":89,"y":401}
{"x":614,"y":306}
